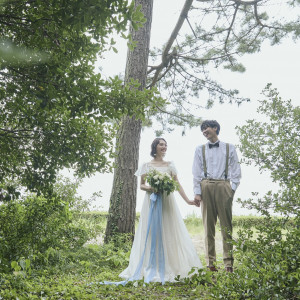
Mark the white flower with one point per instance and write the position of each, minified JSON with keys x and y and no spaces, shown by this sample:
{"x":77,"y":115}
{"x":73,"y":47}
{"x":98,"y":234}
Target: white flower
{"x":155,"y":177}
{"x":157,"y":182}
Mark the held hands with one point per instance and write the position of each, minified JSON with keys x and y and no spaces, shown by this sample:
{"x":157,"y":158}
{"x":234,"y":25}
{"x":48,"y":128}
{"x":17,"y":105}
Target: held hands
{"x":197,"y":200}
{"x":190,"y":202}
{"x":193,"y":202}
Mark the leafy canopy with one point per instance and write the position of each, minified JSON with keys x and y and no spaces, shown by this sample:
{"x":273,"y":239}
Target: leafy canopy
{"x":274,"y":146}
{"x":54,"y":109}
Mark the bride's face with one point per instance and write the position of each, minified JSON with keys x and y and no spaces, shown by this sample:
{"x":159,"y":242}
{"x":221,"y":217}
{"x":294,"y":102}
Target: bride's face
{"x":161,"y":148}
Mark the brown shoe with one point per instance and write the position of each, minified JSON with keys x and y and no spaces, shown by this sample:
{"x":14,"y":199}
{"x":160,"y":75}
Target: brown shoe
{"x":229,"y":269}
{"x":212,"y":268}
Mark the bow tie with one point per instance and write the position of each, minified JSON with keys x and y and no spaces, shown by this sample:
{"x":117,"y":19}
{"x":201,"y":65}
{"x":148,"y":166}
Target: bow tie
{"x":213,"y":145}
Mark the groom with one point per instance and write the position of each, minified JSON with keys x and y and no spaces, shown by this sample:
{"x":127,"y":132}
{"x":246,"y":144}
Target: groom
{"x":217,"y":174}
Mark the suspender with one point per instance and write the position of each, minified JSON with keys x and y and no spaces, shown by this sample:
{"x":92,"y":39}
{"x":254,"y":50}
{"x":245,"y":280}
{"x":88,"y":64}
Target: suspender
{"x":204,"y":161}
{"x":227,"y":158}
{"x":226,"y":164}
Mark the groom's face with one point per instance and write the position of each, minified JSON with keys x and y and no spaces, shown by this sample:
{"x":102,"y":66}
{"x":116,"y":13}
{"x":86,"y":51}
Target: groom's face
{"x":210,"y":133}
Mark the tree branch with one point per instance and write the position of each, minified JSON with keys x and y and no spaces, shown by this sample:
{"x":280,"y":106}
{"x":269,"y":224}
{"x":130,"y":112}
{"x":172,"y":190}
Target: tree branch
{"x":166,"y":57}
{"x":174,"y":115}
{"x":204,"y":59}
{"x":259,"y":21}
{"x":16,"y":134}
{"x":191,"y":27}
{"x":240,"y":2}
{"x":181,"y":19}
{"x":168,"y":66}
{"x":230,"y":27}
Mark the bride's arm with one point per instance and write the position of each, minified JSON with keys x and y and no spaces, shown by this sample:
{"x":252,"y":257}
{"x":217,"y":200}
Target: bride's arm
{"x":145,"y":187}
{"x":182,"y":193}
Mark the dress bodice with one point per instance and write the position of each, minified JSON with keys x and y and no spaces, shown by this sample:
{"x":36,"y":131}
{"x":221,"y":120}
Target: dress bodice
{"x":146,"y":167}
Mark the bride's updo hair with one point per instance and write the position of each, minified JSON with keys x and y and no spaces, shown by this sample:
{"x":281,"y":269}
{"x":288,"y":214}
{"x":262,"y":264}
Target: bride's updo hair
{"x":154,"y":145}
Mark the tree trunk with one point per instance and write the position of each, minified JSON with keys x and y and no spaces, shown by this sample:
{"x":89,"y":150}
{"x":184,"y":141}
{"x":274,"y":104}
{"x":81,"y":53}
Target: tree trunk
{"x":121,"y":217}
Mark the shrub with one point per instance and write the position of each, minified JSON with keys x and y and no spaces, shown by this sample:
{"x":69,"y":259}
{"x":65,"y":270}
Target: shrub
{"x":30,"y":226}
{"x":33,"y":224}
{"x":267,"y":267}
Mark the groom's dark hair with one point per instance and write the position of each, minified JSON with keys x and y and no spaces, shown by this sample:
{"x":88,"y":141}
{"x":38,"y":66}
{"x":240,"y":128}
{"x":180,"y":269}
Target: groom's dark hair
{"x":154,"y":145}
{"x":211,"y":124}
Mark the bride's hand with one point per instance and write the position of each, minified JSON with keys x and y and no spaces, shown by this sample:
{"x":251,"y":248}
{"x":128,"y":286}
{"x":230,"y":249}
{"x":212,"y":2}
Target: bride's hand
{"x":191,"y":202}
{"x":151,"y":190}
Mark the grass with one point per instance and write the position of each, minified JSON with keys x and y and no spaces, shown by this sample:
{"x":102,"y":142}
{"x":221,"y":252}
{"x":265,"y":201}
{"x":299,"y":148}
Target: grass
{"x":77,"y":274}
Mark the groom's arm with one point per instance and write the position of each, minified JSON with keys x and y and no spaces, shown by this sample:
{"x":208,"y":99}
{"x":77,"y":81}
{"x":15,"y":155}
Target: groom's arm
{"x":235,"y":170}
{"x":197,"y":171}
{"x":197,"y":175}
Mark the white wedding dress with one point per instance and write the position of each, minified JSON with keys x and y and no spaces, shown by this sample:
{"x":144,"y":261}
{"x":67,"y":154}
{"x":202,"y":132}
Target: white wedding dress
{"x":179,"y":252}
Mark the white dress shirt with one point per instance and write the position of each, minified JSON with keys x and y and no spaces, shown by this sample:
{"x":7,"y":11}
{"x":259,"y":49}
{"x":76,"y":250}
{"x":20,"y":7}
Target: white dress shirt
{"x":215,"y":163}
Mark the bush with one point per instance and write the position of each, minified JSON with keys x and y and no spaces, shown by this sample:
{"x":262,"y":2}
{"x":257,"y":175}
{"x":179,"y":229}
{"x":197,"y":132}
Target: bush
{"x":32,"y":225}
{"x":29,"y":227}
{"x":253,"y":221}
{"x":267,"y":267}
{"x":192,"y":220}
{"x":246,"y":221}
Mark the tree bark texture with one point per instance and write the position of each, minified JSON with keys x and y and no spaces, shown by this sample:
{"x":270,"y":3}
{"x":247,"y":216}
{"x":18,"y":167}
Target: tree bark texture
{"x":121,"y":217}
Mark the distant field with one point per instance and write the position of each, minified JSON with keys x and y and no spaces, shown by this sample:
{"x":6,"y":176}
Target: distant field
{"x":192,"y":222}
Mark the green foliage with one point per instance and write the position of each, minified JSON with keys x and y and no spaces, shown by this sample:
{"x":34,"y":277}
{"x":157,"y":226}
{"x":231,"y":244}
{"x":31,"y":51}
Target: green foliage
{"x":245,"y":221}
{"x":161,"y":182}
{"x":76,"y":273}
{"x":54,"y":109}
{"x":85,"y":286}
{"x":192,"y":219}
{"x":267,"y":266}
{"x":33,"y":227}
{"x":22,"y":267}
{"x":198,"y":277}
{"x":274,"y":146}
{"x":117,"y":254}
{"x":29,"y":227}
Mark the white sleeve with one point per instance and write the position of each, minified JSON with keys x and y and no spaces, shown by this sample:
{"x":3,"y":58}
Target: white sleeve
{"x":173,"y":168}
{"x":197,"y":170}
{"x":235,"y":170}
{"x":143,"y":169}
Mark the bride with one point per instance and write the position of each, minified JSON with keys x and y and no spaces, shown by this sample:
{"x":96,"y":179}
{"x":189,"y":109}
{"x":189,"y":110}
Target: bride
{"x":178,"y":254}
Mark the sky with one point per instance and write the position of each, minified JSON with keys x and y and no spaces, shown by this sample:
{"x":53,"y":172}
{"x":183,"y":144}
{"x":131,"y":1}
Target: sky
{"x":278,"y":65}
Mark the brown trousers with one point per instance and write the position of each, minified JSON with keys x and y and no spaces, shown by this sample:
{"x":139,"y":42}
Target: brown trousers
{"x":217,"y":197}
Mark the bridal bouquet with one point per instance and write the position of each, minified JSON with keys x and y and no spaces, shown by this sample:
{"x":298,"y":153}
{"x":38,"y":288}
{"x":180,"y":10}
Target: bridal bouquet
{"x":161,"y":182}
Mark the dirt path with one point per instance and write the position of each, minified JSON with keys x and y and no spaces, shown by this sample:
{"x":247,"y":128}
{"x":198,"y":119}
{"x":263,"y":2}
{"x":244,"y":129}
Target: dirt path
{"x":198,"y":241}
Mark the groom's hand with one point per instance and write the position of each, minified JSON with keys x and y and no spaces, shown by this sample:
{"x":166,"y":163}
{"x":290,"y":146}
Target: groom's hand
{"x":197,"y":200}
